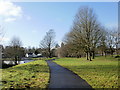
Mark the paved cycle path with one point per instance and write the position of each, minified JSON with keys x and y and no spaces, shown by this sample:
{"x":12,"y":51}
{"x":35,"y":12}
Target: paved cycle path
{"x":61,"y":77}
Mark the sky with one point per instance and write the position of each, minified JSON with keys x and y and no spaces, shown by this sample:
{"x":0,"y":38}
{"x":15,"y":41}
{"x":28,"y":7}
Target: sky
{"x":31,"y":20}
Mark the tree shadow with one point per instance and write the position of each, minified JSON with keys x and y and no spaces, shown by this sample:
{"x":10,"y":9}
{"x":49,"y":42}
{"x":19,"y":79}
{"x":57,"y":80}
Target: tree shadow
{"x":4,"y":66}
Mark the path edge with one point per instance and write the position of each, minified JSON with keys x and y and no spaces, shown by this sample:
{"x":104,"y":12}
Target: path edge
{"x":71,"y":72}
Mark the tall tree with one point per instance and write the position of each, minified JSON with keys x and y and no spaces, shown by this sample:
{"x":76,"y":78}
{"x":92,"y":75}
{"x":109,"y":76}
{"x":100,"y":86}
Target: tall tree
{"x":102,"y":47}
{"x":112,"y":41}
{"x":115,"y":34}
{"x":86,"y":31}
{"x":48,"y":42}
{"x":15,"y":50}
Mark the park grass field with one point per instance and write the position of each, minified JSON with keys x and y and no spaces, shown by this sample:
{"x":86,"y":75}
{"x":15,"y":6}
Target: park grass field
{"x":100,"y":73}
{"x":34,"y":74}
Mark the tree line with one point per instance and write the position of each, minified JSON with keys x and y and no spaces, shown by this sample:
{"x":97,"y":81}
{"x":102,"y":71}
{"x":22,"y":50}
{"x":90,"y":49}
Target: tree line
{"x":87,"y":37}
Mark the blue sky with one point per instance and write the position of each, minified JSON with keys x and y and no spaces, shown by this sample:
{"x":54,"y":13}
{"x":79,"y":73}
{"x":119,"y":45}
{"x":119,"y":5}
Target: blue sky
{"x":31,"y":20}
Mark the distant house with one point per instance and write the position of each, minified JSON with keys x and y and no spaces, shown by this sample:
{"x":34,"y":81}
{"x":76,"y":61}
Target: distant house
{"x":30,"y":55}
{"x":39,"y":55}
{"x":33,"y":55}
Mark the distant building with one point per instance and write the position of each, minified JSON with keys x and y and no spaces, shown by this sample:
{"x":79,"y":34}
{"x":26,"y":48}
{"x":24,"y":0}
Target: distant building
{"x":39,"y":55}
{"x":30,"y":55}
{"x":33,"y":55}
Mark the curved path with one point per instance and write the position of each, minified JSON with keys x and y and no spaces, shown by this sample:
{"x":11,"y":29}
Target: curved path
{"x":61,"y":77}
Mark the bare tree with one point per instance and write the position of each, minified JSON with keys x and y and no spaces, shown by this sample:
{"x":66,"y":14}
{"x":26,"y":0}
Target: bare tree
{"x":14,"y":50}
{"x":112,"y":40}
{"x":15,"y":41}
{"x":48,"y":42}
{"x":1,"y":33}
{"x":102,"y":46}
{"x":63,"y":51}
{"x":116,"y":34}
{"x":86,"y":31}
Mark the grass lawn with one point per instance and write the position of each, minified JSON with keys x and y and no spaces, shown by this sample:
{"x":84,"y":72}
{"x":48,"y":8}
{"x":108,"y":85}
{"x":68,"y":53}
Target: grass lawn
{"x":100,"y":73}
{"x":34,"y":74}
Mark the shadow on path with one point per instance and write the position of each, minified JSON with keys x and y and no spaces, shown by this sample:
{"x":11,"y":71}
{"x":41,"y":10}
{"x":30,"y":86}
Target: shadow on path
{"x":61,"y":77}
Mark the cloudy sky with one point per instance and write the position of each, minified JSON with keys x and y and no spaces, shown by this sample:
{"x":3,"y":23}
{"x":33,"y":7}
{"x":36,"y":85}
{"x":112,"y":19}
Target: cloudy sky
{"x":31,"y":20}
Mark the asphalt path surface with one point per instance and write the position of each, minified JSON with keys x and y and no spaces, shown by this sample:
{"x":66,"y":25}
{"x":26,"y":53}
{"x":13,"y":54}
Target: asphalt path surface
{"x":61,"y":77}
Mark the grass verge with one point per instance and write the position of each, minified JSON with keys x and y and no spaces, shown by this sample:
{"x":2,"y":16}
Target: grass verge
{"x":34,"y":74}
{"x":100,"y":73}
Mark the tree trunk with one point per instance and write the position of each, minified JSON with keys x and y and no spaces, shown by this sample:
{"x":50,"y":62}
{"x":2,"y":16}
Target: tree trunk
{"x":93,"y":55}
{"x":80,"y":56}
{"x":16,"y":60}
{"x":111,"y":52}
{"x":87,"y":55}
{"x":49,"y":52}
{"x":102,"y":53}
{"x":90,"y":54}
{"x":105,"y":53}
{"x":117,"y":50}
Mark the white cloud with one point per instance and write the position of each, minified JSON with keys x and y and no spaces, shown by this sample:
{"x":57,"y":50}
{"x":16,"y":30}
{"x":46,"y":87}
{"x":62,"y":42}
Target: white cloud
{"x":9,"y":19}
{"x":9,"y":9}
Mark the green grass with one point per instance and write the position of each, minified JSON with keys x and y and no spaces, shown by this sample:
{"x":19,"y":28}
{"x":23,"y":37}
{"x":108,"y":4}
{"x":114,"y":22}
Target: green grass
{"x":34,"y":74}
{"x":100,"y":73}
